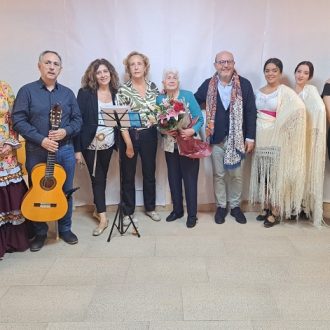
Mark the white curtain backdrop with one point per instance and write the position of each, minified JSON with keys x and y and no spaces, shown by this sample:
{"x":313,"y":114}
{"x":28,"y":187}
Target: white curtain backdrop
{"x":184,"y":34}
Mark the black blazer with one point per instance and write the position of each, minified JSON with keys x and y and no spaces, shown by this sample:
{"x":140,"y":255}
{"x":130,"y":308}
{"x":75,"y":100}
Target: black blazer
{"x":88,"y":104}
{"x":221,"y":124}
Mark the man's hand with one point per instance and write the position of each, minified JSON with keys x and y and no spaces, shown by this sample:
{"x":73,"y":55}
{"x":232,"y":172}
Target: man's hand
{"x":249,"y":146}
{"x":49,"y":145}
{"x":57,"y":135}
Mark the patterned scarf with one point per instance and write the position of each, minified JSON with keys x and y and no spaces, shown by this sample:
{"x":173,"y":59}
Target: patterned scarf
{"x":235,"y":143}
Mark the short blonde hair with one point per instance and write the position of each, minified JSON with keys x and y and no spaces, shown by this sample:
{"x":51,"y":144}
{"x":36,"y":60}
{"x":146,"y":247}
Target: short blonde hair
{"x":144,"y":58}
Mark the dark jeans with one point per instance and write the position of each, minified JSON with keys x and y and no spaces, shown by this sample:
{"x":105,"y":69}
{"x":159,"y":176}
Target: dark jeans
{"x":64,"y":157}
{"x":145,"y":144}
{"x":99,"y":182}
{"x":182,"y":168}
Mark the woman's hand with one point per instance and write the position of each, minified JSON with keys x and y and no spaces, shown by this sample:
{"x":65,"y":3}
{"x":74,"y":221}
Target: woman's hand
{"x":187,"y":133}
{"x":79,"y":158}
{"x":172,"y":132}
{"x":5,"y":149}
{"x":129,"y":145}
{"x":249,"y":146}
{"x":130,"y":151}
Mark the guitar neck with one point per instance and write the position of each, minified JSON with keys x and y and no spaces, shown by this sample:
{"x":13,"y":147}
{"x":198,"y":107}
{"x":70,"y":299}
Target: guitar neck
{"x":55,"y":120}
{"x":51,"y":157}
{"x":50,"y":165}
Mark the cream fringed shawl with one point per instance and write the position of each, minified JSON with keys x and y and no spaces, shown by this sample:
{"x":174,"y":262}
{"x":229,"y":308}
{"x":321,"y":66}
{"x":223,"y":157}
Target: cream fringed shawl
{"x":278,"y":163}
{"x":315,"y":153}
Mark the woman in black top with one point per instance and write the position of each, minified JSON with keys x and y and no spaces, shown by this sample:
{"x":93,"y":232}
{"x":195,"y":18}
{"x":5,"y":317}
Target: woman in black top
{"x":95,"y":141}
{"x":326,"y":99}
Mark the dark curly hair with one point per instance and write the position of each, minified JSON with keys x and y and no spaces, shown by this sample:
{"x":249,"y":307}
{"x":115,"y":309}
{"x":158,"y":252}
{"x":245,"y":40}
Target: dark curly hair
{"x":89,"y":80}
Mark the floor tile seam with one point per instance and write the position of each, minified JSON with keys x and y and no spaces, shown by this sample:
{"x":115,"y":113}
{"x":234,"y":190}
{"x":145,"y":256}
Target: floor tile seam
{"x":5,"y":291}
{"x":70,"y":285}
{"x":42,"y":279}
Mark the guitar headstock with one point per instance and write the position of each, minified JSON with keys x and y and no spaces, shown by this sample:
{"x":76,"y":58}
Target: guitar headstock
{"x":55,"y":116}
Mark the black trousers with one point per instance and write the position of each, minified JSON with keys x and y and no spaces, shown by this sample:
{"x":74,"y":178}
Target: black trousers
{"x":144,"y":144}
{"x":182,"y":168}
{"x":99,"y":182}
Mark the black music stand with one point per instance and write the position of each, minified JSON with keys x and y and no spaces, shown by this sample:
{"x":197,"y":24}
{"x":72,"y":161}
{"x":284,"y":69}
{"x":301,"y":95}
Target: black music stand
{"x":121,"y":117}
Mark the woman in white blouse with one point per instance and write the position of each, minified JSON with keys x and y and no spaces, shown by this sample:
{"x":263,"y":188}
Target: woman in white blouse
{"x":278,"y":162}
{"x":315,"y":142}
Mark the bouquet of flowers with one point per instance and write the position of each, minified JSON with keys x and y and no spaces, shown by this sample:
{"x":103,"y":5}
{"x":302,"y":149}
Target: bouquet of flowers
{"x":166,"y":115}
{"x":174,"y":115}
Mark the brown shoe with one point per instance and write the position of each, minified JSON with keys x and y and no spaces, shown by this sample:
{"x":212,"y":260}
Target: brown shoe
{"x":271,"y":221}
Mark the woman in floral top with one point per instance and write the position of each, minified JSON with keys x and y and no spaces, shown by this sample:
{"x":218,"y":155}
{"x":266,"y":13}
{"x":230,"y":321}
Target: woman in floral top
{"x":13,"y":234}
{"x":139,"y":94}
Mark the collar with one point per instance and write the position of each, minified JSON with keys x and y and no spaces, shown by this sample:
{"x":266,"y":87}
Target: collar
{"x":129,"y":83}
{"x":43,"y":85}
{"x":230,"y":84}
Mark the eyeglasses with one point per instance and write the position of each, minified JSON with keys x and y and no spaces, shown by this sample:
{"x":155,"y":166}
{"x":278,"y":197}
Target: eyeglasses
{"x":223,"y":62}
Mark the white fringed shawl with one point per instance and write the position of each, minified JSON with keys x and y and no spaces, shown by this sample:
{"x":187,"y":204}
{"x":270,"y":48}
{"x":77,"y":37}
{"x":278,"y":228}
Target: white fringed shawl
{"x":315,"y":153}
{"x":278,"y":163}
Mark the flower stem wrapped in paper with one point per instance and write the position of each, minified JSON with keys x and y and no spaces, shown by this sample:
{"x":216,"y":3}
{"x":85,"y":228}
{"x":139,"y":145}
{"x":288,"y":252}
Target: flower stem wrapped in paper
{"x":173,"y":117}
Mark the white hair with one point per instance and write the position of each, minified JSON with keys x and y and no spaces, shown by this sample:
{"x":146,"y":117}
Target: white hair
{"x":170,"y":70}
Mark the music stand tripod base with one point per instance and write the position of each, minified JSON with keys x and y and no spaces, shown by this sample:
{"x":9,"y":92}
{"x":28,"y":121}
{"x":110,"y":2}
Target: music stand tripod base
{"x":121,"y":117}
{"x":120,"y":225}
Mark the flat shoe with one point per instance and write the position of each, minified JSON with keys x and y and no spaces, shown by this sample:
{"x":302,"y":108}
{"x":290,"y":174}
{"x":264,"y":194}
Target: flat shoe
{"x":191,"y":221}
{"x":100,"y":229}
{"x":173,"y":216}
{"x":153,"y":215}
{"x":95,"y":215}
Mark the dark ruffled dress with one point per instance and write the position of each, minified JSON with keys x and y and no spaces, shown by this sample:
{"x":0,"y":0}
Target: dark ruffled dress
{"x":13,"y":229}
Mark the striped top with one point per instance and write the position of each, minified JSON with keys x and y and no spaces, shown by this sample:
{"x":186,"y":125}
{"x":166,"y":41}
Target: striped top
{"x":128,"y":95}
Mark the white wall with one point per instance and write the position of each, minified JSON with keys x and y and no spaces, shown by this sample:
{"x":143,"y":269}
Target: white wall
{"x":185,"y":34}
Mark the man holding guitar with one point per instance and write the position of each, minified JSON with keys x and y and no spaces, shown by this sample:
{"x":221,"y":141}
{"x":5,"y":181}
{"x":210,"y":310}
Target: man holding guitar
{"x":32,"y":119}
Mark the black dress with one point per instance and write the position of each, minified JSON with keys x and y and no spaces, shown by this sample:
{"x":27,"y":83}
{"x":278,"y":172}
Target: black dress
{"x":326,"y":92}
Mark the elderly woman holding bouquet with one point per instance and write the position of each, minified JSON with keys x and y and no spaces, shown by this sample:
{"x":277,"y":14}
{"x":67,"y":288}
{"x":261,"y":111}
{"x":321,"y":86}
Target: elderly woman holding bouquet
{"x":176,"y":126}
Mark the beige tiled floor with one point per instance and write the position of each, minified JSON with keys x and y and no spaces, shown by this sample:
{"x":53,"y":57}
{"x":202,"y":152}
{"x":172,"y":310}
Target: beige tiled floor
{"x":226,"y":276}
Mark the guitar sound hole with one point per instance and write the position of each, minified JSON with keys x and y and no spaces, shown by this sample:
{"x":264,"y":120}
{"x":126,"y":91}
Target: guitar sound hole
{"x":48,"y":183}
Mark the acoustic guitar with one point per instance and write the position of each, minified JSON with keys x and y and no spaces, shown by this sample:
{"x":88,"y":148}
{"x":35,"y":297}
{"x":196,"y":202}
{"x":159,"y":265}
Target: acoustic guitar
{"x":45,"y":200}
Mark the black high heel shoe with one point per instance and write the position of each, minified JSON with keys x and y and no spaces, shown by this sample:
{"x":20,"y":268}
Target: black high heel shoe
{"x":271,"y":220}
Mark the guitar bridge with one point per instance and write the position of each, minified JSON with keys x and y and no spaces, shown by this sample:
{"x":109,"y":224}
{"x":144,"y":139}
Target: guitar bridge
{"x":45,"y":205}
